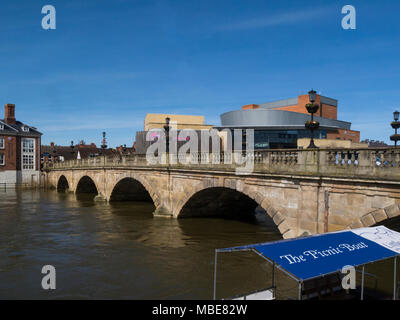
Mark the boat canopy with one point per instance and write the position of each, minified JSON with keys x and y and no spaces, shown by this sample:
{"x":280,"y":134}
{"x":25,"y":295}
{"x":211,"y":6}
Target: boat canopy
{"x":315,"y":256}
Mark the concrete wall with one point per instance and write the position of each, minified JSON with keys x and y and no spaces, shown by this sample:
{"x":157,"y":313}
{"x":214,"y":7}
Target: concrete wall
{"x":8,"y":176}
{"x":330,"y":143}
{"x":30,"y":177}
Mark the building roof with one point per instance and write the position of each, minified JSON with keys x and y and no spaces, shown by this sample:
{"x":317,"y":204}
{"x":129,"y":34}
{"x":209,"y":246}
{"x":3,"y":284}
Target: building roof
{"x":275,"y":119}
{"x":294,"y":101}
{"x":18,"y":129}
{"x":85,"y":151}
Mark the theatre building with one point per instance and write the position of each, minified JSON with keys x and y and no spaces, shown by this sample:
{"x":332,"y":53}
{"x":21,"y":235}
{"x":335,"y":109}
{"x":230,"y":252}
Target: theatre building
{"x":279,"y":124}
{"x":19,"y":150}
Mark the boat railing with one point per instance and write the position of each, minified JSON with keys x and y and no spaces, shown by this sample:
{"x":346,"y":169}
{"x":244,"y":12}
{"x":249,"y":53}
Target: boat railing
{"x":398,"y":289}
{"x":322,"y":286}
{"x":329,"y":284}
{"x":372,"y":276}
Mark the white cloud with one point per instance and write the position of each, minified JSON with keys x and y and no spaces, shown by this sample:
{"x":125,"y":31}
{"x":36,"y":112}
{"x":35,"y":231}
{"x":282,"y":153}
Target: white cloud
{"x":279,"y":19}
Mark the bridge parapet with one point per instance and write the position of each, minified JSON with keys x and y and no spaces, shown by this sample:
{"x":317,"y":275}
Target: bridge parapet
{"x":377,"y":164}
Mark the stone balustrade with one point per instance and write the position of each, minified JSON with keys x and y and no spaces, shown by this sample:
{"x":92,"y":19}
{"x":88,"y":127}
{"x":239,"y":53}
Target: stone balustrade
{"x":379,"y":163}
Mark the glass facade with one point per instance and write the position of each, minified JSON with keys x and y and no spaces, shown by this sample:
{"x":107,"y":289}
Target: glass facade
{"x":280,"y":139}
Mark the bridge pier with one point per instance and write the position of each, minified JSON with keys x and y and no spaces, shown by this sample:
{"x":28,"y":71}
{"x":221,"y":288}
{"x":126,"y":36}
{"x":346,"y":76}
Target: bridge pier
{"x":100,"y":198}
{"x":162,"y":212}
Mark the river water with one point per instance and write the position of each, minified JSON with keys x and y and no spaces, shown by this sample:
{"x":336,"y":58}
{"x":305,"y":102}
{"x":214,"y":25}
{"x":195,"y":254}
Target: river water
{"x":119,"y":251}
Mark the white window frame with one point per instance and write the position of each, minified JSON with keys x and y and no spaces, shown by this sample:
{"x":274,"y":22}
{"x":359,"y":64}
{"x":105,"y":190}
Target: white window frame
{"x":2,"y":143}
{"x":2,"y":163}
{"x":25,"y":128}
{"x":1,"y":126}
{"x":30,"y":154}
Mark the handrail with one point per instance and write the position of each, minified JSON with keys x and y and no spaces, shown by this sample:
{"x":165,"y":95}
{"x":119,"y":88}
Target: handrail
{"x":374,"y":163}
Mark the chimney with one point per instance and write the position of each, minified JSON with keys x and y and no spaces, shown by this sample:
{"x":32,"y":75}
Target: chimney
{"x":9,"y":113}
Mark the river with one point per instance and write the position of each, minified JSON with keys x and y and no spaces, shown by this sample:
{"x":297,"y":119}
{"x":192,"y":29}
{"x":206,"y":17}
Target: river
{"x":119,"y":251}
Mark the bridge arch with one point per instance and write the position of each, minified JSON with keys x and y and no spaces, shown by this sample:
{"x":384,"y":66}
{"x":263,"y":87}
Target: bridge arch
{"x":62,"y":184}
{"x":132,"y":188}
{"x":243,"y":198}
{"x":376,"y":217}
{"x":86,"y":185}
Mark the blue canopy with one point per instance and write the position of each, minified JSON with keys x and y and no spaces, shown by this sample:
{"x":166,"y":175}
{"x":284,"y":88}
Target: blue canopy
{"x":314,"y":256}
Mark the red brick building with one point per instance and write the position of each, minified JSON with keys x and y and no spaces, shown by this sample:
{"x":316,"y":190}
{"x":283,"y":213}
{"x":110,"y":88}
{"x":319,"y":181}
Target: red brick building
{"x":19,"y":150}
{"x":280,"y":124}
{"x":328,"y":108}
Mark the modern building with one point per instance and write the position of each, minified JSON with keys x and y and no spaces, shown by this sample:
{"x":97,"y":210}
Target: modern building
{"x":177,"y":121}
{"x":280,"y":124}
{"x":155,"y":122}
{"x":19,"y":150}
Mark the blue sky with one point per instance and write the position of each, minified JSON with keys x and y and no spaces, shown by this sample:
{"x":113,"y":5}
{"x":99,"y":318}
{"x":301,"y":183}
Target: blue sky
{"x":108,"y":63}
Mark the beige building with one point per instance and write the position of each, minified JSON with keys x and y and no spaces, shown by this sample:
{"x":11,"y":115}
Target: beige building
{"x":331,"y":144}
{"x":178,"y":122}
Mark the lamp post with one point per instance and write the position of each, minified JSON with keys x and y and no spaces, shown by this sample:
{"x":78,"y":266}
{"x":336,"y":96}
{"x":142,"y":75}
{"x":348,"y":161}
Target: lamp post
{"x":103,"y":143}
{"x":395,"y":125}
{"x":72,"y":149}
{"x":167,"y":128}
{"x":54,"y":154}
{"x":312,"y":124}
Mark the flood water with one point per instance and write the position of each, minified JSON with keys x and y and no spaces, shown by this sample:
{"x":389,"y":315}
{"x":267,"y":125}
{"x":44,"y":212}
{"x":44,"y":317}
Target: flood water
{"x":119,"y":251}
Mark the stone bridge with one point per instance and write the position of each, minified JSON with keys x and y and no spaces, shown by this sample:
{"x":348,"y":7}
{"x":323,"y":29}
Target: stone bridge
{"x":303,"y":191}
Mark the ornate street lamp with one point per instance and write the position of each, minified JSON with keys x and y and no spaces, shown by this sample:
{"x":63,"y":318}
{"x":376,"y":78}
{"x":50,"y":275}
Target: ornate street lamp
{"x":103,"y":143}
{"x":167,"y":128}
{"x":72,"y":149}
{"x":312,"y":124}
{"x":54,"y":154}
{"x":395,"y":125}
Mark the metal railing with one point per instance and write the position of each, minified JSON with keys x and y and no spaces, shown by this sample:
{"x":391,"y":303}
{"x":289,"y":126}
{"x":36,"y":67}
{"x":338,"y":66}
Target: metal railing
{"x":7,"y":186}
